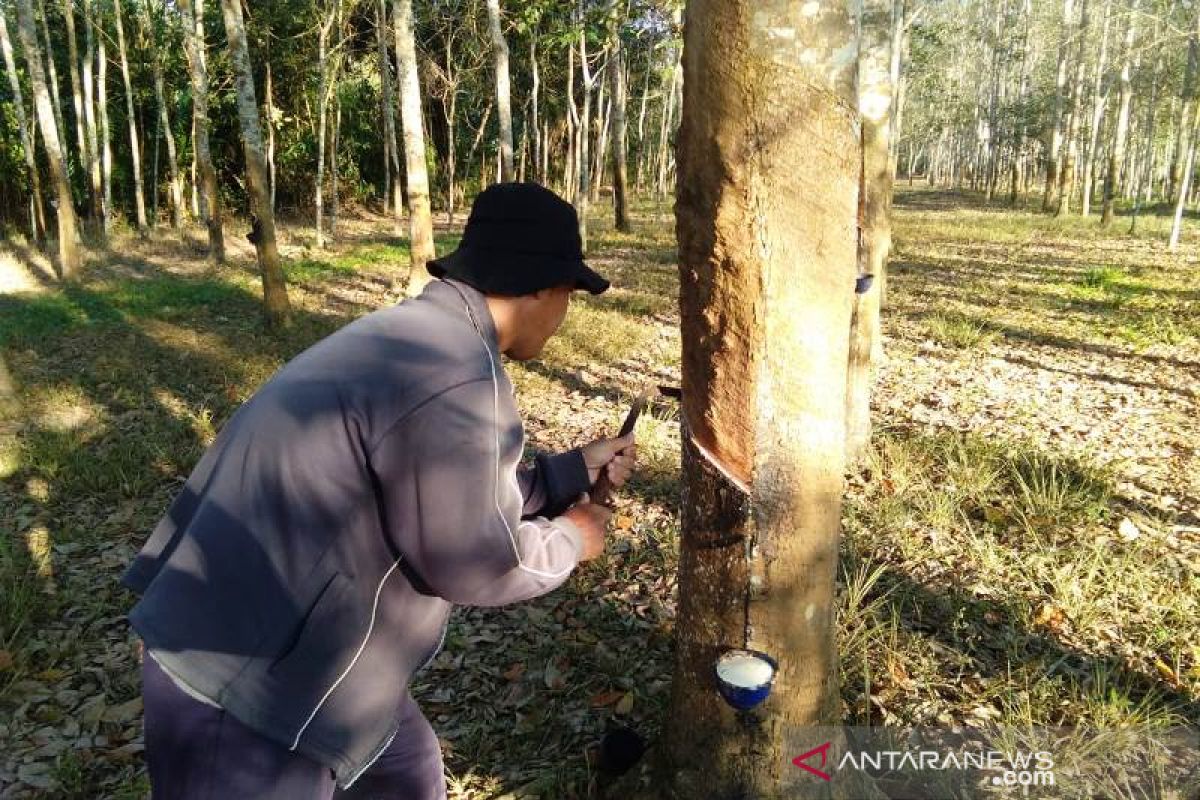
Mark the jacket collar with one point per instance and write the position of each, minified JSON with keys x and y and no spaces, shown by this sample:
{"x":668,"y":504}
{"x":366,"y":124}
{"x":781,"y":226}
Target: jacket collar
{"x":451,"y":294}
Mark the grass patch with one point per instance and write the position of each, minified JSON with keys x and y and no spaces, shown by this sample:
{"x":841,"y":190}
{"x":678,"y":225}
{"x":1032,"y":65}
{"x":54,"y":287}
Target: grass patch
{"x":959,"y":331}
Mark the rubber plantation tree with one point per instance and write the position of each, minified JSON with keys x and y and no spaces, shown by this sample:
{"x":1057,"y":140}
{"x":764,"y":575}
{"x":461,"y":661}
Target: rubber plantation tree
{"x":210,"y":199}
{"x":275,"y":297}
{"x":38,"y":226}
{"x":68,"y":252}
{"x":875,"y":97}
{"x":420,"y":216}
{"x":766,"y":217}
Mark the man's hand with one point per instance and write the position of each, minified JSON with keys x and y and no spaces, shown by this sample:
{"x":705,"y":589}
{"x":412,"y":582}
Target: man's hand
{"x":619,"y":456}
{"x":591,"y":519}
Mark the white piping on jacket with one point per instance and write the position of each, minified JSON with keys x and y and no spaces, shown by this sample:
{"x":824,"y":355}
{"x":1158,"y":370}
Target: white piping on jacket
{"x":496,"y":483}
{"x":362,"y":646}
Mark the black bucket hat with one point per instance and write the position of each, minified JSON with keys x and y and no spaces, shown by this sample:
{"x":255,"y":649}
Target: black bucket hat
{"x":519,"y":239}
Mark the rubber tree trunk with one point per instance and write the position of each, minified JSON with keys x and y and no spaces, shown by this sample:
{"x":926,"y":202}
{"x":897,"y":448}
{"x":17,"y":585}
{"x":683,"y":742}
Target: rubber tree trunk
{"x":164,"y":118}
{"x":420,"y":218}
{"x":35,"y":183}
{"x":875,"y":96}
{"x":324,"y":28}
{"x":52,"y":74}
{"x":1050,"y":197}
{"x":1066,"y":180}
{"x":583,"y":188}
{"x":392,"y":156}
{"x":1116,"y":152}
{"x":1187,"y":98}
{"x":86,"y":154}
{"x":1147,"y":177}
{"x":210,"y":200}
{"x":139,"y":193}
{"x":766,"y":217}
{"x":1087,"y":167}
{"x":275,"y":299}
{"x":92,"y":125}
{"x":68,"y":252}
{"x":616,"y":74}
{"x":503,"y":94}
{"x":106,"y":154}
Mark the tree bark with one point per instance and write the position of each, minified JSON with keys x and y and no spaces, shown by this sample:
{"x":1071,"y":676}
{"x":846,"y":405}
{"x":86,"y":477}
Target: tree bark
{"x":275,"y":299}
{"x":875,"y":96}
{"x":210,"y":200}
{"x":100,"y":204}
{"x":616,"y":68}
{"x":324,"y":28}
{"x":1116,"y":152}
{"x":87,"y":156}
{"x":420,"y":219}
{"x":1147,"y":177}
{"x":538,"y":144}
{"x":766,"y":216}
{"x":1066,"y":184}
{"x":106,"y":154}
{"x":1187,"y":98}
{"x":52,"y":74}
{"x":35,"y":184}
{"x":503,"y":95}
{"x":1050,"y":197}
{"x":392,"y":155}
{"x":139,"y":194}
{"x":584,"y":132}
{"x":1098,"y":102}
{"x":68,"y":252}
{"x":164,"y":118}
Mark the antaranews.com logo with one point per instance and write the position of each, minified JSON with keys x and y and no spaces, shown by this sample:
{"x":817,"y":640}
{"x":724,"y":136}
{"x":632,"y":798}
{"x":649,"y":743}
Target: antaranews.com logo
{"x":1018,"y":768}
{"x":968,"y":763}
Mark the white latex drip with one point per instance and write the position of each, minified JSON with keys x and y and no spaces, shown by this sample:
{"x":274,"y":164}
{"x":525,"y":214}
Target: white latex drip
{"x":744,"y":671}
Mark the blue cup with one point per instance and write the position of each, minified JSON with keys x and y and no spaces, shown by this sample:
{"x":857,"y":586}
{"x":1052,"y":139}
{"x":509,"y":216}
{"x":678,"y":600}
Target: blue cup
{"x":737,"y":694}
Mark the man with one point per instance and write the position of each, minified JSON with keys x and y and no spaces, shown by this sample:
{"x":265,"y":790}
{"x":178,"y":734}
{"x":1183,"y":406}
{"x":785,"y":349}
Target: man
{"x":308,"y":567}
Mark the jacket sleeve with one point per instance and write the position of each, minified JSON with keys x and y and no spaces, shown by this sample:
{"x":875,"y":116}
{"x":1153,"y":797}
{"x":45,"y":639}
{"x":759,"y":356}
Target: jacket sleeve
{"x":446,"y":477}
{"x":553,"y":482}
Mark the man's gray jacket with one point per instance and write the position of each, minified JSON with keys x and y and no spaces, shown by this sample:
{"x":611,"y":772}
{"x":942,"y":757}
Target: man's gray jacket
{"x":308,"y":566}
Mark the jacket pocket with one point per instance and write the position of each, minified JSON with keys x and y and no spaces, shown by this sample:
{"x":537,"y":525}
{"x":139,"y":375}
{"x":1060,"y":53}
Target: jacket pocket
{"x":322,"y":639}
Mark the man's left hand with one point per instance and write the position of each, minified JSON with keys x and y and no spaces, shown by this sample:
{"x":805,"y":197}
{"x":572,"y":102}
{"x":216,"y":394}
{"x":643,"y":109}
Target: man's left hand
{"x":618,"y":457}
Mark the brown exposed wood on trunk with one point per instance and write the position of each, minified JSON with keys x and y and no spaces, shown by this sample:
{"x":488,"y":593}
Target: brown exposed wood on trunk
{"x":275,"y":298}
{"x":68,"y":252}
{"x":766,"y":215}
{"x":420,"y":218}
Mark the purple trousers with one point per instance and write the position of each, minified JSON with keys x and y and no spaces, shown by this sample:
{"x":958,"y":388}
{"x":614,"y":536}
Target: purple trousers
{"x":197,"y":752}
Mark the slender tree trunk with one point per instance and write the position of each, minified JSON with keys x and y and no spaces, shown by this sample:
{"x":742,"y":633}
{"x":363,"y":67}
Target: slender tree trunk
{"x":1116,"y":152}
{"x":322,"y":115}
{"x":26,"y":130}
{"x":571,"y":163}
{"x":1148,"y":152}
{"x":86,"y":154}
{"x":1023,"y":96}
{"x":389,"y":119}
{"x":278,"y":309}
{"x":585,"y":119}
{"x":164,"y":118}
{"x":600,"y":151}
{"x":1185,"y":182}
{"x":619,"y":146}
{"x":106,"y":153}
{"x":135,"y":151}
{"x":1050,"y":197}
{"x":52,"y":75}
{"x":875,"y":96}
{"x":68,"y":252}
{"x":767,"y":227}
{"x":1066,"y":185}
{"x":1187,"y":98}
{"x":668,"y":119}
{"x":100,"y":203}
{"x":1098,"y":101}
{"x":269,"y":90}
{"x":420,"y":219}
{"x":538,"y":144}
{"x":640,"y":160}
{"x":503,"y":98}
{"x":210,"y":200}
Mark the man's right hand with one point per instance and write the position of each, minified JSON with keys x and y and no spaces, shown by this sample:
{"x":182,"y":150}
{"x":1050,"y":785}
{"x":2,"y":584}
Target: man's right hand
{"x":591,"y":519}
